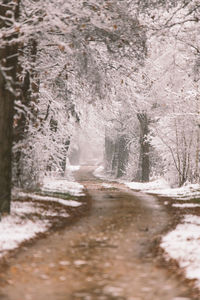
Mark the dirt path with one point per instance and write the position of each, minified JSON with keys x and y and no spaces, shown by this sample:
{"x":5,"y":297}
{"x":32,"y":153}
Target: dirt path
{"x":104,"y":256}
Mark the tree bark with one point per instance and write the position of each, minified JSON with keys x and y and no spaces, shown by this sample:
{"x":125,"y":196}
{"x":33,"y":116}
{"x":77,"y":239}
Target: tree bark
{"x":8,"y":67}
{"x":122,"y":155}
{"x":116,"y":155}
{"x":144,"y":168}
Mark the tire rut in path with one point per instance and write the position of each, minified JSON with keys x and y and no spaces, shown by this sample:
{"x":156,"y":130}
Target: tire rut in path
{"x":104,"y":256}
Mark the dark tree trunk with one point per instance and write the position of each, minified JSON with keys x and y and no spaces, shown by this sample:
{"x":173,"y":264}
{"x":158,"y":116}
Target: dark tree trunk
{"x":8,"y":68}
{"x":144,"y":164}
{"x":122,"y":155}
{"x":114,"y":165}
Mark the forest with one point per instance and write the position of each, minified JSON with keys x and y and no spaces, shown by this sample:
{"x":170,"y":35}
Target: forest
{"x":100,"y":149}
{"x":125,"y":71}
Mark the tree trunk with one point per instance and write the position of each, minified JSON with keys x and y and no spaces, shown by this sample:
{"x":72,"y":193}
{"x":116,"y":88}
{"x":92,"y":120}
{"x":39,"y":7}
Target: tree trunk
{"x":8,"y":67}
{"x":122,"y":155}
{"x":116,"y":155}
{"x":114,"y":162}
{"x":64,"y":159}
{"x":108,"y":154}
{"x":144,"y":168}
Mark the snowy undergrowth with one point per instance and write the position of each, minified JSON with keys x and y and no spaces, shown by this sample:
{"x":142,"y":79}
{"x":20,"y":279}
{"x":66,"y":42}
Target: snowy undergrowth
{"x":63,"y":185}
{"x":56,"y":185}
{"x":186,"y":192}
{"x":186,"y":205}
{"x":26,"y":220}
{"x":24,"y":208}
{"x":17,"y":228}
{"x":32,"y":213}
{"x":65,"y":202}
{"x":162,"y":188}
{"x":183,"y":244}
{"x":157,"y":185}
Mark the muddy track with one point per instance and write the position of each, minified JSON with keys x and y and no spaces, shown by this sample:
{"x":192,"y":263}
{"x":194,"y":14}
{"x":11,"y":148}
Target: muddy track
{"x":106,"y":255}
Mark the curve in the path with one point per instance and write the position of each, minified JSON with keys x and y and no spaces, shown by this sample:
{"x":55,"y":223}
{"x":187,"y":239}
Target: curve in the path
{"x":105,"y":256}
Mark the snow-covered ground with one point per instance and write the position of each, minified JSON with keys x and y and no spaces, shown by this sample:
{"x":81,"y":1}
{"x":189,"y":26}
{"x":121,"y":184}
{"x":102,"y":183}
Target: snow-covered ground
{"x":185,"y":205}
{"x":23,"y":208}
{"x":183,"y":244}
{"x":30,"y":212}
{"x":55,"y":185}
{"x":107,"y":186}
{"x":157,"y":185}
{"x":73,"y":203}
{"x":186,"y":192}
{"x":99,"y":172}
{"x":162,"y":188}
{"x":14,"y":229}
{"x":19,"y":226}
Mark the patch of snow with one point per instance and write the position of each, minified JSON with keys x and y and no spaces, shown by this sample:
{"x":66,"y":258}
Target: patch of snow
{"x":148,"y":186}
{"x":50,"y":213}
{"x":162,"y":188}
{"x":72,"y":168}
{"x":98,"y":172}
{"x":185,"y":192}
{"x":72,"y":203}
{"x":192,"y":219}
{"x":62,"y":186}
{"x":107,"y":186}
{"x":20,"y":208}
{"x":34,"y":208}
{"x":186,"y":205}
{"x":24,"y":208}
{"x":183,"y":244}
{"x":15,"y":230}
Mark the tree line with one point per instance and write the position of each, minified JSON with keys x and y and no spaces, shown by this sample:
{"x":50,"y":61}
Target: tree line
{"x":136,"y":63}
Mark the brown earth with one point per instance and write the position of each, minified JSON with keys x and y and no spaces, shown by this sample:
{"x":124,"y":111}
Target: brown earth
{"x":111,"y":253}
